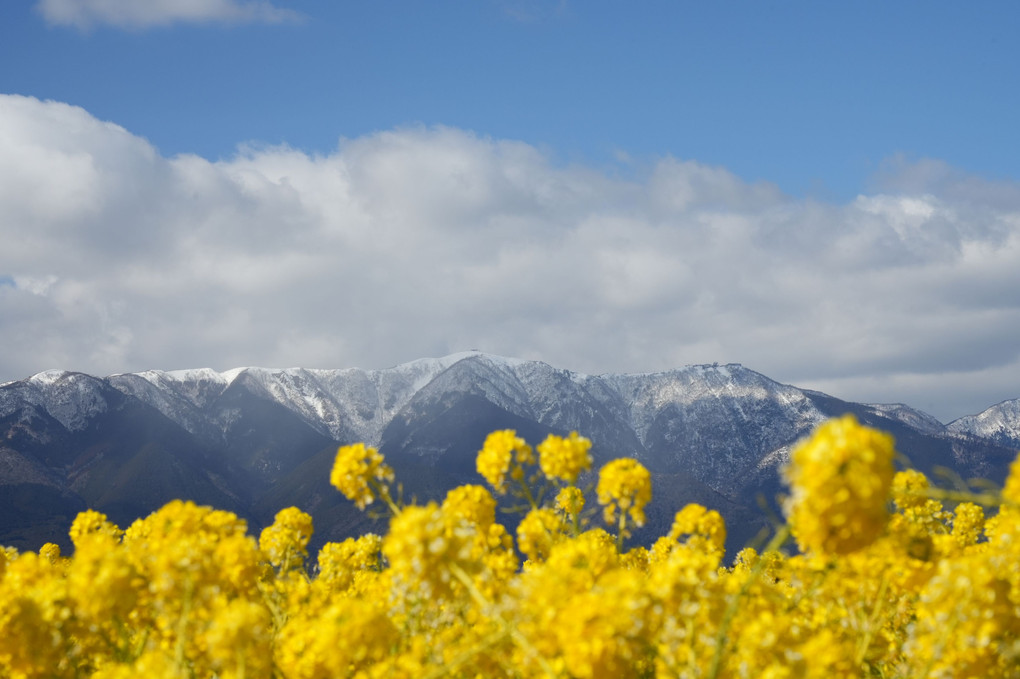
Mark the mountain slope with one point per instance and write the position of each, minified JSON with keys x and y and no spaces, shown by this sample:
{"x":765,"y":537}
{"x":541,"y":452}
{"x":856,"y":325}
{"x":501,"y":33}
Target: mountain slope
{"x":1000,"y":423}
{"x":254,"y":440}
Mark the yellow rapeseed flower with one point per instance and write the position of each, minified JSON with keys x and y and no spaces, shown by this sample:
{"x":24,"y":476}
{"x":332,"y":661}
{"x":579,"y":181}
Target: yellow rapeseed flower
{"x":344,"y":640}
{"x":285,"y":542}
{"x":570,"y":501}
{"x":496,"y":456}
{"x":239,"y":639}
{"x":346,"y":565}
{"x":1011,"y":491}
{"x":564,"y":457}
{"x":356,"y":469}
{"x":704,"y":526}
{"x":538,"y":531}
{"x":50,"y":552}
{"x":840,"y":480}
{"x":472,"y":503}
{"x":624,"y":485}
{"x":92,"y":522}
{"x":423,"y":543}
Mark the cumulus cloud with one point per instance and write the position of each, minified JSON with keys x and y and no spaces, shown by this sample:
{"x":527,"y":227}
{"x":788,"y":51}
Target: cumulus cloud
{"x":135,"y":15}
{"x":422,"y":241}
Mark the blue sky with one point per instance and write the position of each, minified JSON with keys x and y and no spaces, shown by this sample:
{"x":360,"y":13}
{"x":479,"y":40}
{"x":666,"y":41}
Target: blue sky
{"x":811,"y":96}
{"x":826,"y":192}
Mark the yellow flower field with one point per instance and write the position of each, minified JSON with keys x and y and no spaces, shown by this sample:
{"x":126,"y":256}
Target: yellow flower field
{"x":890,"y":578}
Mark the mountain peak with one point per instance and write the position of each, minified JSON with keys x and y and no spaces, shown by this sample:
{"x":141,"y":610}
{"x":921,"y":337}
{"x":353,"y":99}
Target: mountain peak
{"x":1000,"y":423}
{"x":48,"y":377}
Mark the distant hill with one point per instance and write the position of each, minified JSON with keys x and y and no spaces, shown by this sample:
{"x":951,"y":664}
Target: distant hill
{"x":255,"y":440}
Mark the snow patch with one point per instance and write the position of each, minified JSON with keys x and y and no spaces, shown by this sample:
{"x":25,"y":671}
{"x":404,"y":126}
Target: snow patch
{"x":47,"y":377}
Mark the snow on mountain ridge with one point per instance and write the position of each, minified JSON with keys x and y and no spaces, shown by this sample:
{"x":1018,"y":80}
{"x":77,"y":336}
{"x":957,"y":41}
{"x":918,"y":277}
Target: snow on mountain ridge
{"x":1000,"y":422}
{"x":356,"y":403}
{"x":496,"y":380}
{"x":649,"y":393}
{"x":342,"y":403}
{"x":47,"y":377}
{"x":918,"y":419}
{"x":71,"y":398}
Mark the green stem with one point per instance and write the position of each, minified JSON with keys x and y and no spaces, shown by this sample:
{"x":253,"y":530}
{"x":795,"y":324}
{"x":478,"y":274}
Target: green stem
{"x":988,"y":498}
{"x":525,"y":488}
{"x":622,"y":531}
{"x":383,"y":492}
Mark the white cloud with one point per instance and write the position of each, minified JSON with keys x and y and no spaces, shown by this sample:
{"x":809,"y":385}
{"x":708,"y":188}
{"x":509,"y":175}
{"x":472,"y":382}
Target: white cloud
{"x":141,"y":14}
{"x":417,"y":242}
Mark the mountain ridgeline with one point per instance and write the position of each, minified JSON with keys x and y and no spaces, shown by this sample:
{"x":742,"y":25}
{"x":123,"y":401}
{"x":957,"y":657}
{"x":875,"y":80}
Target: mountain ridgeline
{"x":254,"y":440}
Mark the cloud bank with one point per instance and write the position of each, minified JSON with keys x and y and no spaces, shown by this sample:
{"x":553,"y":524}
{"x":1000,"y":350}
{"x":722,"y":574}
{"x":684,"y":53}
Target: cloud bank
{"x":141,"y":14}
{"x":422,"y":241}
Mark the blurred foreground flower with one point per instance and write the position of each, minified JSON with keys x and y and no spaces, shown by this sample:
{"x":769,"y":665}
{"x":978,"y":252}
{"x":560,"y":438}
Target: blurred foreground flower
{"x":359,"y":472}
{"x":840,"y":478}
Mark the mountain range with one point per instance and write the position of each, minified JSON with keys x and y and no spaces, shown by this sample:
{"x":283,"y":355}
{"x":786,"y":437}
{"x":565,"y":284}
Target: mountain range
{"x":256,"y":440}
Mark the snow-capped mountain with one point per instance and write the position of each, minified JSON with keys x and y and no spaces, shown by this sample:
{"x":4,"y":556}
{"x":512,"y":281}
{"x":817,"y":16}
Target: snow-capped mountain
{"x":710,"y":418}
{"x":349,"y":404}
{"x":73,"y":399}
{"x":255,"y":440}
{"x":1000,"y":423}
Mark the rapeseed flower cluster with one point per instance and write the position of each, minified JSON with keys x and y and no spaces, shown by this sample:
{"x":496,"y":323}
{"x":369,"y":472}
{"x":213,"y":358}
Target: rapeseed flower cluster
{"x":564,"y":458}
{"x":624,"y":486}
{"x":886,"y":581}
{"x":840,"y":481}
{"x":360,"y":473}
{"x":496,"y":459}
